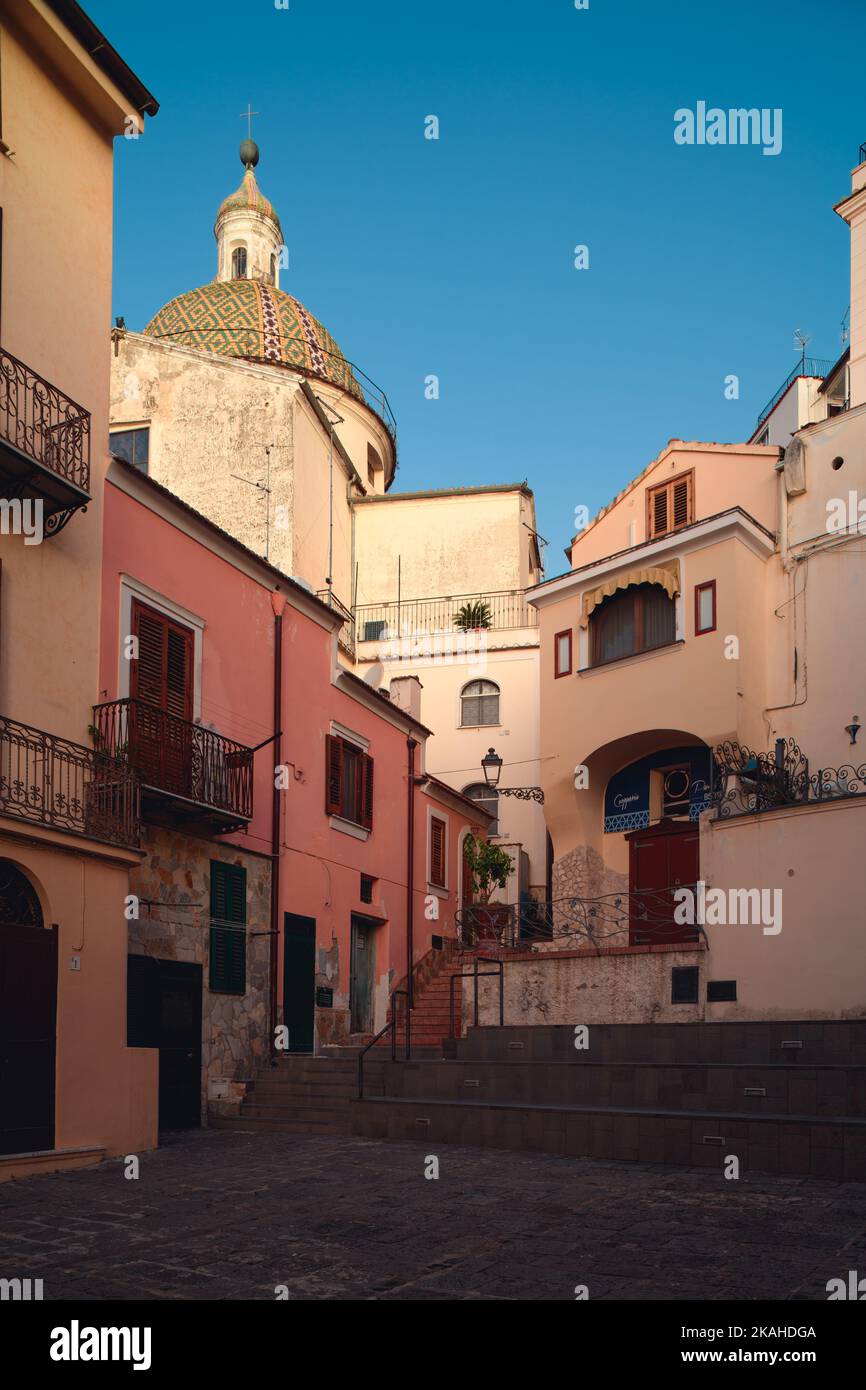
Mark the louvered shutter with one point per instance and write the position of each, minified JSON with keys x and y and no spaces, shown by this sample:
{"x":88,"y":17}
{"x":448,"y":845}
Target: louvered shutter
{"x":682,"y":502}
{"x":659,"y":513}
{"x":333,"y":775}
{"x":366,"y":791}
{"x":437,"y":851}
{"x":228,"y":938}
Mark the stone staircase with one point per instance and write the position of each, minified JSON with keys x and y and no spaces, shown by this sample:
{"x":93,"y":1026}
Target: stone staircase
{"x":303,"y":1094}
{"x":781,"y":1097}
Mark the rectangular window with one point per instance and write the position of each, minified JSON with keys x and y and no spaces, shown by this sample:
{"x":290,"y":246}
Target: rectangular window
{"x":348,"y":781}
{"x":131,"y":445}
{"x":562,"y":653}
{"x":228,"y":934}
{"x":684,"y":984}
{"x":670,"y":505}
{"x":721,"y":991}
{"x":367,"y":886}
{"x":705,"y":607}
{"x":438,"y":830}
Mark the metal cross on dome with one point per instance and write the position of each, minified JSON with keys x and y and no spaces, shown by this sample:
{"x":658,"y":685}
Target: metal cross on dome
{"x":248,"y":117}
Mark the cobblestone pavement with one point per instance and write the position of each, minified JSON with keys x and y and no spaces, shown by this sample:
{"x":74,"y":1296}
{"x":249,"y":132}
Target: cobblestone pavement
{"x":221,"y":1215}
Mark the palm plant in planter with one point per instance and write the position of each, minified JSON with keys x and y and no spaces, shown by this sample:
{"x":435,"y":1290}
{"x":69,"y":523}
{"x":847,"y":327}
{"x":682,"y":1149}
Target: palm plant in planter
{"x":473,"y":616}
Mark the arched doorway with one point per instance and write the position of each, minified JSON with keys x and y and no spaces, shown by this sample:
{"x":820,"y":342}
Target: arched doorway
{"x":28,"y":1011}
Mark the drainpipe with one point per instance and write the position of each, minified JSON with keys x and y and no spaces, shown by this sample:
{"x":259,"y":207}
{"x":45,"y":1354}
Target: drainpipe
{"x":278,"y":604}
{"x":411,"y":745}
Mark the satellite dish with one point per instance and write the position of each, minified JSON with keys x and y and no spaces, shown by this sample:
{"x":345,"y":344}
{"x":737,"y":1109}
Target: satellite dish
{"x":375,"y":675}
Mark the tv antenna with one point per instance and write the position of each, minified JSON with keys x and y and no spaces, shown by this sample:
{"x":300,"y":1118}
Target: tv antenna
{"x":801,"y":342}
{"x":264,"y":488}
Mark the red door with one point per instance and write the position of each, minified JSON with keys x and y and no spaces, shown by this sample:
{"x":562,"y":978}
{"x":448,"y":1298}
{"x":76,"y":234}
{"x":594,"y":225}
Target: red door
{"x":661,"y":859}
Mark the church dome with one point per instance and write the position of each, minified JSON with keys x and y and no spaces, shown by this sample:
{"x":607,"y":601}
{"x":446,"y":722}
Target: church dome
{"x":253,"y":320}
{"x":249,"y":198}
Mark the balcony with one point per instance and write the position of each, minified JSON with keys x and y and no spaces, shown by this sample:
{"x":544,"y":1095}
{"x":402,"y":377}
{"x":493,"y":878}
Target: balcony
{"x":191,"y":777}
{"x":492,"y":612}
{"x":44,"y":444}
{"x":52,"y":782}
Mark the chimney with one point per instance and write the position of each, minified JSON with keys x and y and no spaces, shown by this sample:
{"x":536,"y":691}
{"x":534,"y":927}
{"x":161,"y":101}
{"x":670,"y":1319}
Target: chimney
{"x":853,"y":210}
{"x":406,"y":694}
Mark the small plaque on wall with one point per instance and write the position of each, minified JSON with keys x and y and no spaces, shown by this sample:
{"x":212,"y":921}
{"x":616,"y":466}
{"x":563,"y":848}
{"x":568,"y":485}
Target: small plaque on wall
{"x":324,"y":997}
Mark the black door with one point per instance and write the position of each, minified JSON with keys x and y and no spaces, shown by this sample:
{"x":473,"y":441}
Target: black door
{"x":361,"y":975}
{"x":28,"y":1009}
{"x":164,"y":1011}
{"x":299,"y":980}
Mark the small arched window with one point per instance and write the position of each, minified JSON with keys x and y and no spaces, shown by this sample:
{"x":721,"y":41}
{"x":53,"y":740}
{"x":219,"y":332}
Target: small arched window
{"x":488,"y":798}
{"x":479,"y":704}
{"x":273,"y":270}
{"x":239,"y":263}
{"x":19,"y":904}
{"x":632,"y":620}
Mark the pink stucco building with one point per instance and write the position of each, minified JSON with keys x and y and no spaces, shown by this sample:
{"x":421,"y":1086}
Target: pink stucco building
{"x":294,"y":849}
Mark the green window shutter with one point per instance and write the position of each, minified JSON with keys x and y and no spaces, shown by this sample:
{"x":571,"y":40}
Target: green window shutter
{"x":228,"y":937}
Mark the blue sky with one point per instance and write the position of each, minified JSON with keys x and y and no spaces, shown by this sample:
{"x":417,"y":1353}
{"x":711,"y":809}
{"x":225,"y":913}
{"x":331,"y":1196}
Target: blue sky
{"x":456,"y":257}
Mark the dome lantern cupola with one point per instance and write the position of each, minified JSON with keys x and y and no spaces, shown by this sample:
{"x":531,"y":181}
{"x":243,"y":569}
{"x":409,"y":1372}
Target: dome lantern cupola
{"x":247,"y":229}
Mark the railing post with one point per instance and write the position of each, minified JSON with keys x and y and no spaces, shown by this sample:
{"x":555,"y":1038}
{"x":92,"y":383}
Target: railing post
{"x":475,"y":990}
{"x":501,"y":993}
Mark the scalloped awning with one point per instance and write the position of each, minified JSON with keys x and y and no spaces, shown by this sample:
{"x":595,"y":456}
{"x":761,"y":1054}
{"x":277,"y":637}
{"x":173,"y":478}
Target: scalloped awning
{"x":667,"y":575}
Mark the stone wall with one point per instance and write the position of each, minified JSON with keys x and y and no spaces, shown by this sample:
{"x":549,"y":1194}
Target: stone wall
{"x":629,"y":984}
{"x":173,"y":887}
{"x":582,"y":873}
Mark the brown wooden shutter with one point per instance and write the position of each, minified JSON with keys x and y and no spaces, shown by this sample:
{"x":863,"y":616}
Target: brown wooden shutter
{"x":437,"y":851}
{"x":659,"y":514}
{"x":163,"y":673}
{"x":366,"y":791}
{"x":682,"y":497}
{"x":333,"y":775}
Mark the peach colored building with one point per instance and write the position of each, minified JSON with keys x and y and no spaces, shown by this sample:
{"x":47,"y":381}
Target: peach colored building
{"x":295,"y":842}
{"x":70,"y":1088}
{"x":701,"y":681}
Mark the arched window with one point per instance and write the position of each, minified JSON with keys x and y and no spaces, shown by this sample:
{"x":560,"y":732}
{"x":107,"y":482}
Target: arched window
{"x":488,"y":798}
{"x":19,"y":905}
{"x":632,"y":620}
{"x":239,"y":263}
{"x":479,"y":704}
{"x":273,"y":270}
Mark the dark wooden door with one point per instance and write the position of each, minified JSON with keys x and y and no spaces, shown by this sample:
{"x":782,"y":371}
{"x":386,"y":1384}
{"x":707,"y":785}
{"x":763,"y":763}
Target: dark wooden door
{"x":28,"y":1011}
{"x":361,"y":977}
{"x":299,"y":980}
{"x":161,"y":686}
{"x":164,"y":1011}
{"x":662,"y":858}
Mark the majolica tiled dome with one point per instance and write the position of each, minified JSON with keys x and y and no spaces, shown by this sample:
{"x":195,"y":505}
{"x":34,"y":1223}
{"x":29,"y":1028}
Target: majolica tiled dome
{"x":251,"y":319}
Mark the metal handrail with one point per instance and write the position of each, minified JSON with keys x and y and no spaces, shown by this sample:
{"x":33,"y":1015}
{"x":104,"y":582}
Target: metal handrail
{"x":477,"y":975}
{"x":802,"y":368}
{"x":392,"y":1025}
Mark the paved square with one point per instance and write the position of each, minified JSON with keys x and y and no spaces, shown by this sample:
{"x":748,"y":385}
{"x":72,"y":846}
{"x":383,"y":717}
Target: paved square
{"x":220,"y":1215}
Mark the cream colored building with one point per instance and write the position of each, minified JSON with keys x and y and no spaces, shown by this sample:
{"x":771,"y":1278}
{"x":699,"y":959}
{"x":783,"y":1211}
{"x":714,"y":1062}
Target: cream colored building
{"x":702,"y":682}
{"x":70,"y":1088}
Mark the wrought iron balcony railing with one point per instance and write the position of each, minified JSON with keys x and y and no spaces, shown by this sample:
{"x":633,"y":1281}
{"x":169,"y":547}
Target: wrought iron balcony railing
{"x":807,"y":366}
{"x":745,"y":783}
{"x":644,"y":918}
{"x":44,"y":443}
{"x":53,"y":782}
{"x":492,"y":612}
{"x":192,"y":772}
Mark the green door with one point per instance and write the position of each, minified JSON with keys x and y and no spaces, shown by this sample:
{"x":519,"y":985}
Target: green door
{"x":361,"y":979}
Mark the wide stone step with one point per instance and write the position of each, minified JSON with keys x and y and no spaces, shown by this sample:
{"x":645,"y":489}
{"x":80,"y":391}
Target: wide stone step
{"x":691,"y":1087}
{"x":829,"y":1147}
{"x":812,"y":1042}
{"x":278,"y":1125}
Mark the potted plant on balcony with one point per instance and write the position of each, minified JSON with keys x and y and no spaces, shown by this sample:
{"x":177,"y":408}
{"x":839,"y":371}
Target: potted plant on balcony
{"x":489,"y":868}
{"x":474,"y":616}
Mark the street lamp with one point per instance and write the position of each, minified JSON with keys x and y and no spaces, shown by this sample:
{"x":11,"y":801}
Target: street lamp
{"x":491,"y":766}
